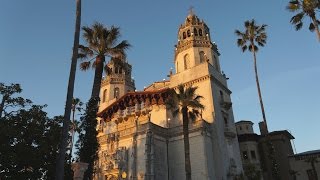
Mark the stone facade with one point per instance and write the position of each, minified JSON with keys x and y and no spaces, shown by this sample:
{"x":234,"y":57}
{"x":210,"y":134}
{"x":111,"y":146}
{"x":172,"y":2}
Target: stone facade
{"x":265,"y":154}
{"x":140,"y":139}
{"x":305,"y":165}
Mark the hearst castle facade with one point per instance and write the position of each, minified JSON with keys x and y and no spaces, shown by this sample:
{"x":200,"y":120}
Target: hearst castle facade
{"x":140,"y":139}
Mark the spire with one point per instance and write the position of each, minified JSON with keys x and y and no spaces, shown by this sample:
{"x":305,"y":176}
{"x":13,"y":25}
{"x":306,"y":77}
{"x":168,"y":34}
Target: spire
{"x":191,"y":11}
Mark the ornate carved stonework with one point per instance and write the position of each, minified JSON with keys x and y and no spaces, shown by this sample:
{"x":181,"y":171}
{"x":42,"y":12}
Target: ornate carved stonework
{"x":114,"y":162}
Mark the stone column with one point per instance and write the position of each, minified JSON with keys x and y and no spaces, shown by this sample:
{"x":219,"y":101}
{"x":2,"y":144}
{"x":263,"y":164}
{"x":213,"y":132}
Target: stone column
{"x":78,"y":170}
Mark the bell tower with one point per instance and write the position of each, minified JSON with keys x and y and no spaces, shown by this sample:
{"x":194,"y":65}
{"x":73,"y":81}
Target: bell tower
{"x":117,"y":82}
{"x":194,"y":45}
{"x":197,"y":64}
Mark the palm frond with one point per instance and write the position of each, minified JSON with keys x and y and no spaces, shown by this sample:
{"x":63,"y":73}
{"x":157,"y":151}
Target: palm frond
{"x":297,"y":18}
{"x":113,"y":36}
{"x":244,"y":48}
{"x":312,"y":27}
{"x":293,"y":6}
{"x":84,"y":52}
{"x":253,"y":33}
{"x":85,"y":65}
{"x":198,"y":98}
{"x":119,"y":50}
{"x":196,"y":105}
{"x":190,"y":92}
{"x":299,"y":26}
{"x":254,"y":48}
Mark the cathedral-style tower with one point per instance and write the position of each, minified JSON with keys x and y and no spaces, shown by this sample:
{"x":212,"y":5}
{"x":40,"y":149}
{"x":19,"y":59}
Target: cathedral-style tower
{"x":194,"y":45}
{"x":117,"y":83}
{"x":197,"y":64}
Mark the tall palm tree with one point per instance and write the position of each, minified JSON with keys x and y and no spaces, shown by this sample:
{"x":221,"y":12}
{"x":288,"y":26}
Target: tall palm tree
{"x":305,"y":8}
{"x":186,"y":102}
{"x":249,"y":39}
{"x":101,"y":42}
{"x":65,"y":135}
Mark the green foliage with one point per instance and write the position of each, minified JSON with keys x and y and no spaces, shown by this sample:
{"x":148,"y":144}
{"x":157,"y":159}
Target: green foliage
{"x":252,"y":36}
{"x":303,"y":8}
{"x":29,"y":144}
{"x":10,"y":104}
{"x":28,"y":138}
{"x":87,"y":144}
{"x":101,"y":42}
{"x":185,"y":98}
{"x":186,"y":102}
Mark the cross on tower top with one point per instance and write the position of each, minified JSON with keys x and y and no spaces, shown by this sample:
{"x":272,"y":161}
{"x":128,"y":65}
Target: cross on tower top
{"x":191,"y":12}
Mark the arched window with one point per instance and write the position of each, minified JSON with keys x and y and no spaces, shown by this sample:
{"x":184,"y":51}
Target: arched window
{"x":195,"y":32}
{"x":116,"y":92}
{"x":104,"y":96}
{"x":116,"y":70}
{"x":221,"y":96}
{"x":202,"y":56}
{"x":184,"y":35}
{"x":177,"y":67}
{"x":188,"y":32}
{"x":186,"y":61}
{"x":200,"y":32}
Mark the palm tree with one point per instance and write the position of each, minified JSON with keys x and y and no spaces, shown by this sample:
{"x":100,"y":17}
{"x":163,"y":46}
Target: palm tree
{"x":186,"y":102}
{"x":65,"y":135}
{"x":101,"y":42}
{"x":305,"y":8}
{"x":249,"y":39}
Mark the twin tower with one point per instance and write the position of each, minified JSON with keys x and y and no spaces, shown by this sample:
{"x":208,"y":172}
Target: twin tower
{"x":140,"y":139}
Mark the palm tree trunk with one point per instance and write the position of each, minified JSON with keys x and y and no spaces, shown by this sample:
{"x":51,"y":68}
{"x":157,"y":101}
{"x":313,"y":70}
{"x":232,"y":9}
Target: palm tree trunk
{"x":258,"y":87}
{"x":72,"y":132}
{"x":316,"y":25}
{"x":186,"y":142}
{"x":59,"y":174}
{"x":97,"y":77}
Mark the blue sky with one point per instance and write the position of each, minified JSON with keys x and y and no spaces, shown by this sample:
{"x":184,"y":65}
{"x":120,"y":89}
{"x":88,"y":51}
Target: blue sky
{"x":36,"y":39}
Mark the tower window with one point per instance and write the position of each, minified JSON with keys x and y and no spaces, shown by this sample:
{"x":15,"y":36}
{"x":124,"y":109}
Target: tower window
{"x":202,"y":56}
{"x":186,"y":62}
{"x":221,"y":96}
{"x":184,"y":35}
{"x":104,"y":97}
{"x":195,"y":32}
{"x":253,"y":154}
{"x":225,"y":121}
{"x":177,"y":67}
{"x":200,"y":32}
{"x":116,"y":92}
{"x":245,"y":155}
{"x":188,"y":32}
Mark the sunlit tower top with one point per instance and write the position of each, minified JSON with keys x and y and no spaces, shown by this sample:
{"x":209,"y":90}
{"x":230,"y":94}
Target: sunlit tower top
{"x":194,"y":37}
